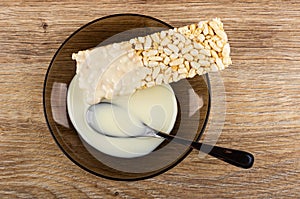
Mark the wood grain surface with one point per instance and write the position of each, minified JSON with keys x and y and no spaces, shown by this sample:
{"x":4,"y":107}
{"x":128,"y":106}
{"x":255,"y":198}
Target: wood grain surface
{"x":262,"y":95}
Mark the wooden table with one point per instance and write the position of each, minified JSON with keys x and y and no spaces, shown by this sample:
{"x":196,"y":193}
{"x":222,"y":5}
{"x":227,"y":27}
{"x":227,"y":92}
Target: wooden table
{"x":262,"y":95}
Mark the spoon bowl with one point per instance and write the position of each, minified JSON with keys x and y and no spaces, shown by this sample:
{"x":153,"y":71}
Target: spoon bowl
{"x":235,"y":157}
{"x":190,"y":124}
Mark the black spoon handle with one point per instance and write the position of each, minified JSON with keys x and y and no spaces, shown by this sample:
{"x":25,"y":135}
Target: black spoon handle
{"x":235,"y":157}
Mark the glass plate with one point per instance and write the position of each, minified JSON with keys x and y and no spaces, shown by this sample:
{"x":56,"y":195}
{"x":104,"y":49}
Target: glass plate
{"x":193,"y":97}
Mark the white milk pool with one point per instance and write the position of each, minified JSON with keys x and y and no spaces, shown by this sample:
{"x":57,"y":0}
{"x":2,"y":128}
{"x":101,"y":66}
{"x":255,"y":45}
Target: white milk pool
{"x":155,"y":107}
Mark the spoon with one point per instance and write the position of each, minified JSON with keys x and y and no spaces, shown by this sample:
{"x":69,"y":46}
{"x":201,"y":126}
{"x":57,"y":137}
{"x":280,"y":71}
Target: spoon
{"x":234,"y":157}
